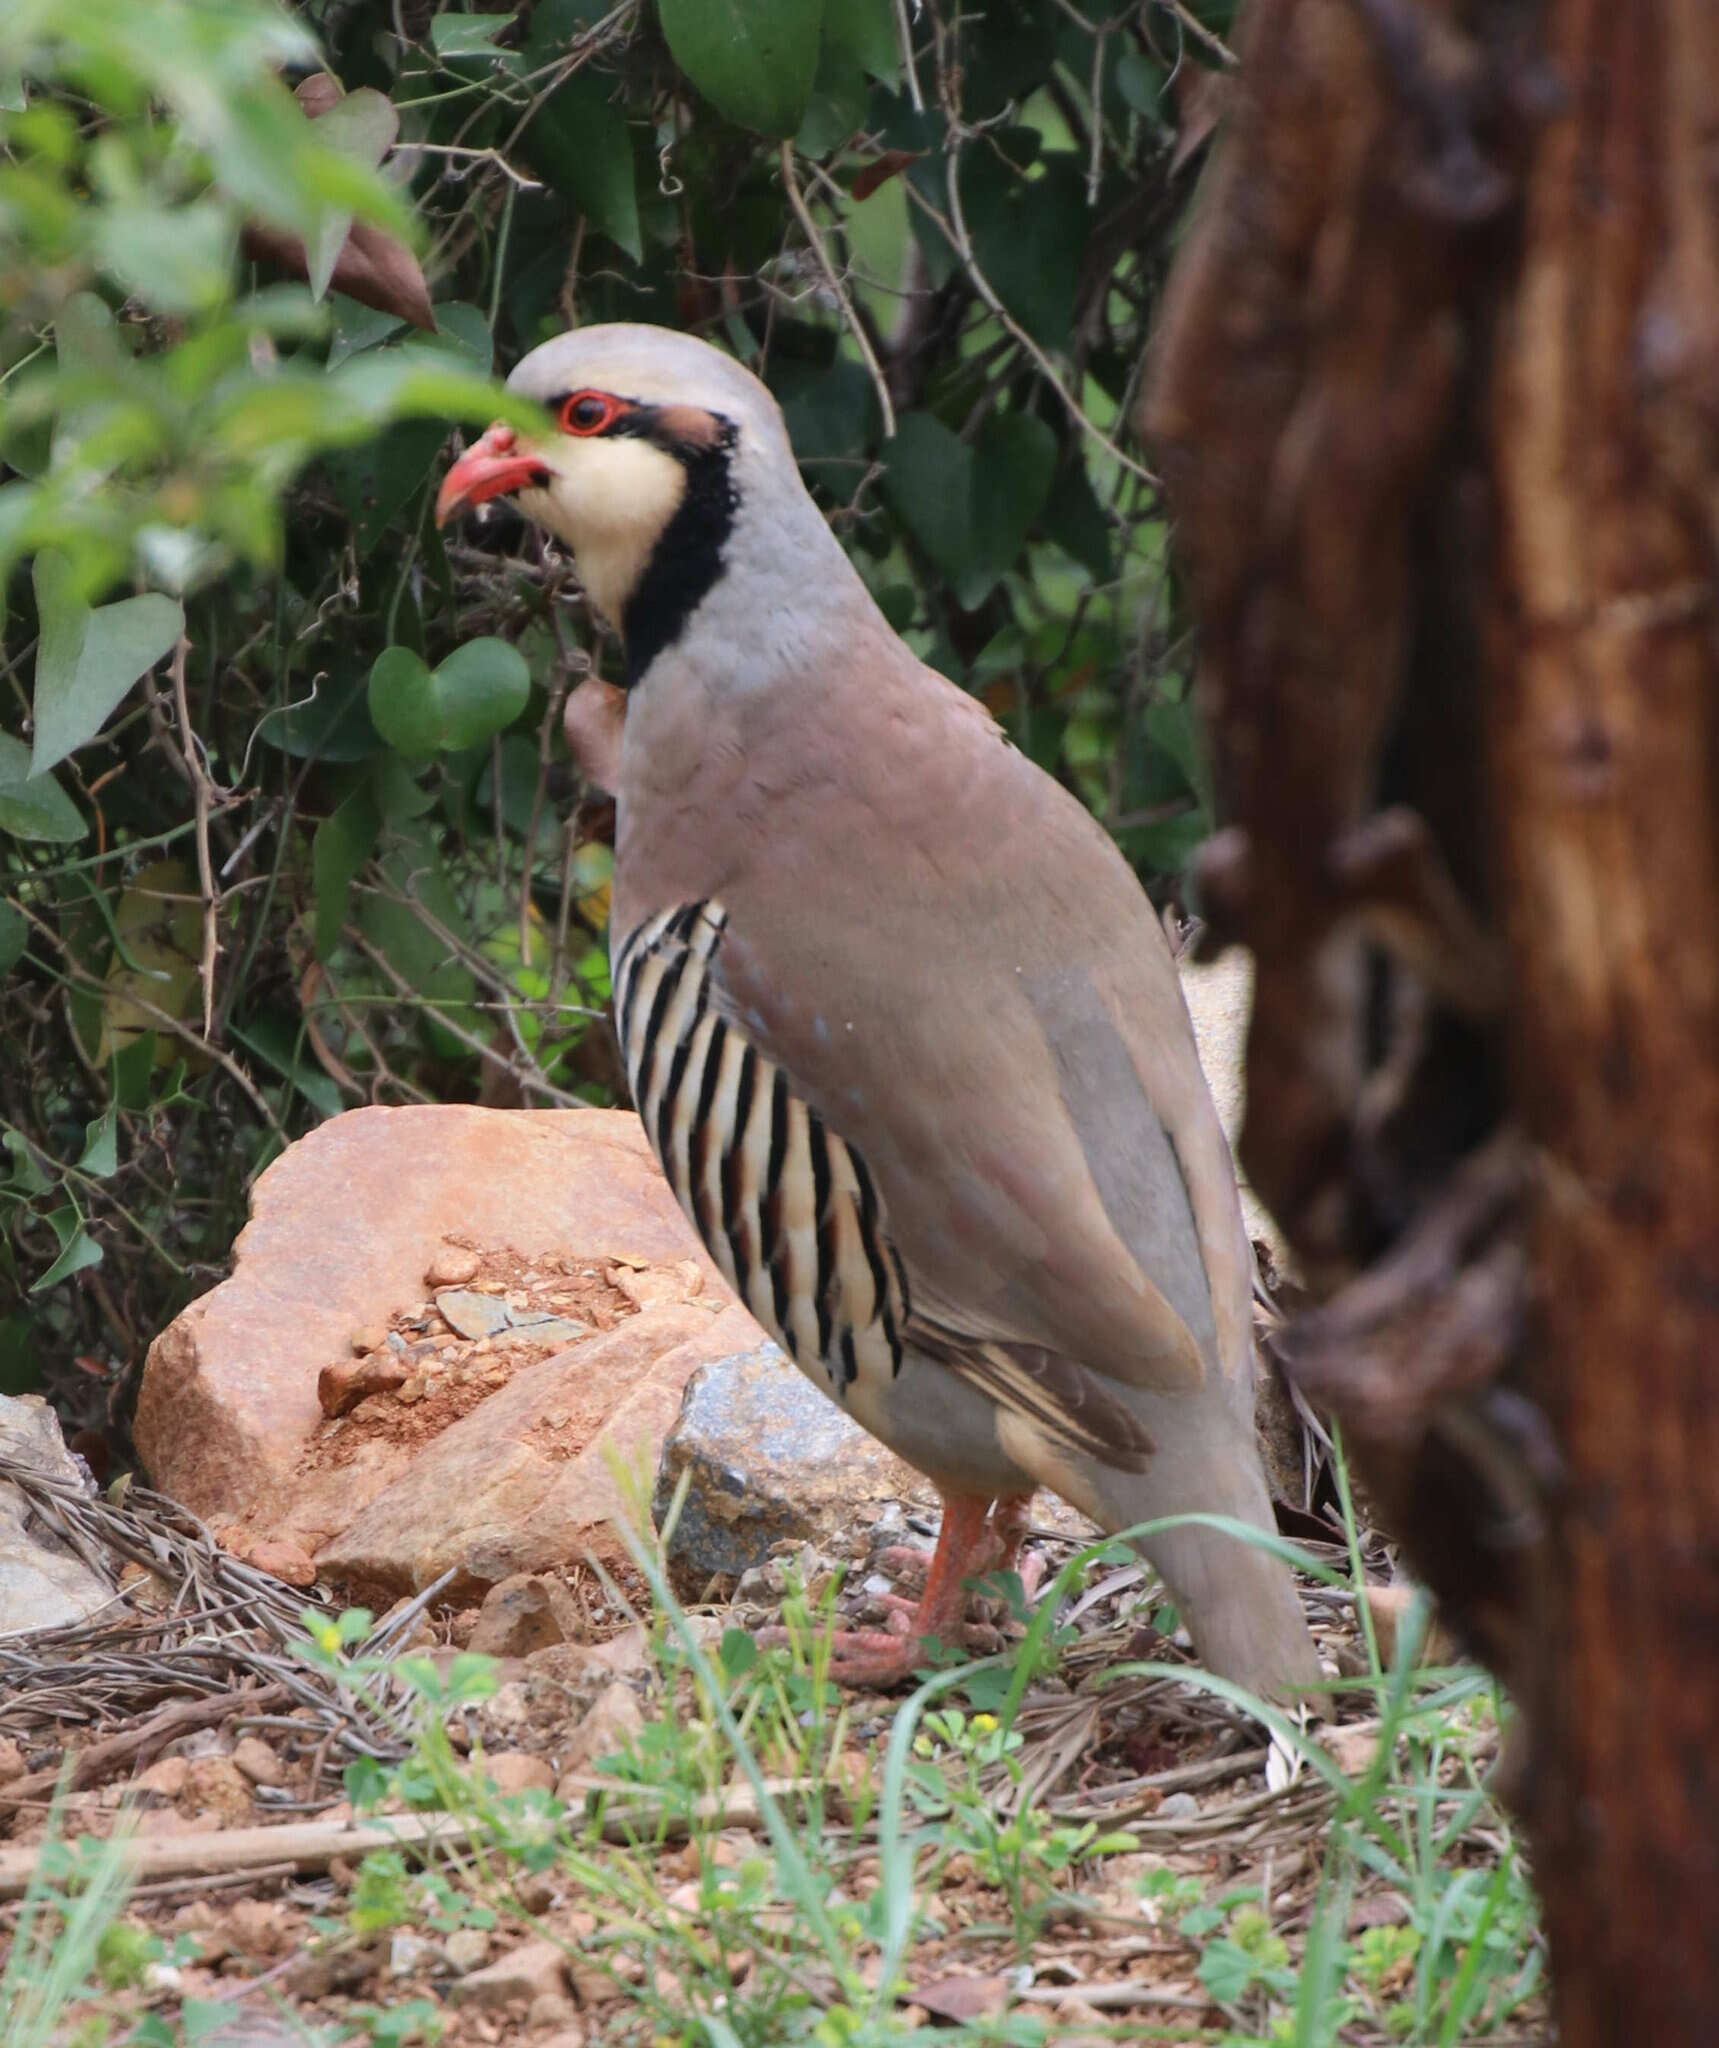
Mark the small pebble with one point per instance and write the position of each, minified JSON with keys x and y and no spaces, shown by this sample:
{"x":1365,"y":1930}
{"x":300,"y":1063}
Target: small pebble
{"x":516,"y":1770}
{"x":368,"y":1337}
{"x":410,"y":1953}
{"x":452,"y":1266}
{"x":467,"y":1948}
{"x":258,"y":1761}
{"x":1178,"y":1806}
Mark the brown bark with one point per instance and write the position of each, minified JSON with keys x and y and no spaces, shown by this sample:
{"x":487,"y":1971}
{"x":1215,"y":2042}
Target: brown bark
{"x":1439,"y":398}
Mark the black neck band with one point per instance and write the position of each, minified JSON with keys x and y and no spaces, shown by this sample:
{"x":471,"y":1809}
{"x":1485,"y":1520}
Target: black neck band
{"x":687,"y":560}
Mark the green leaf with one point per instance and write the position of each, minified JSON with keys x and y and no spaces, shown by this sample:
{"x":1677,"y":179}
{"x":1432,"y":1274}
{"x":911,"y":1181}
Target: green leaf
{"x":579,"y":143}
{"x":866,"y":31}
{"x":1029,"y":235}
{"x":464,"y":332}
{"x":1075,"y":520}
{"x":33,"y":806}
{"x":130,"y":1070}
{"x":374,"y":483}
{"x":279,"y":1041}
{"x":26,"y":1170}
{"x":341,"y":847}
{"x":1140,"y":82}
{"x":860,"y":43}
{"x":20,"y":1371}
{"x":1226,"y":1970}
{"x":77,"y":1248}
{"x":101,"y":1147}
{"x":754,"y":60}
{"x":519,"y":772}
{"x":361,"y":125}
{"x":14,"y":936}
{"x":737,"y":1653}
{"x":87,"y":660}
{"x":928,"y":480}
{"x":1013,"y":462}
{"x":481,"y":688}
{"x":420,"y":954}
{"x":970,"y":508}
{"x":177,"y":259}
{"x":463,"y":38}
{"x":332,"y":724}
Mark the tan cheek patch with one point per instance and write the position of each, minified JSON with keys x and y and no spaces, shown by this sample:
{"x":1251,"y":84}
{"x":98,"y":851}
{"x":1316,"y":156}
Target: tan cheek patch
{"x":690,"y":425}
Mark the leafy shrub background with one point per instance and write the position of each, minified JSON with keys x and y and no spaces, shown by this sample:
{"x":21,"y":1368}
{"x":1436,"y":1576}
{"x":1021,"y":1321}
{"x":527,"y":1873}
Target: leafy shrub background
{"x":286,"y":819}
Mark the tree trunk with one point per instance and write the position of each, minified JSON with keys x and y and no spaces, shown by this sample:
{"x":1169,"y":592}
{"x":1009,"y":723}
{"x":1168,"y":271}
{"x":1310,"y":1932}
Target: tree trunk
{"x":1438,"y":395}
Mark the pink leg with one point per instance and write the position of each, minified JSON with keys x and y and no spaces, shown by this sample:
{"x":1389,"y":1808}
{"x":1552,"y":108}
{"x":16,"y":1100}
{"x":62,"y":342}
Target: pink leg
{"x":873,"y":1658}
{"x":1000,"y":1551}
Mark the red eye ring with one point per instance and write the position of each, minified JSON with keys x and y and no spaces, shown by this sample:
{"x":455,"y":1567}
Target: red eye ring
{"x":590,"y":412}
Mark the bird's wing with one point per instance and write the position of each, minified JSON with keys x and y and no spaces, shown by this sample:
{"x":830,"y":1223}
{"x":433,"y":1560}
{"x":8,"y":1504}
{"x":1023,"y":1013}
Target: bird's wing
{"x":789,"y":1208}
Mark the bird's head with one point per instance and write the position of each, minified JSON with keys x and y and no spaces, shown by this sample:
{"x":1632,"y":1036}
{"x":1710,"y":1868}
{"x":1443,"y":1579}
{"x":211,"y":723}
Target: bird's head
{"x":651,"y":442}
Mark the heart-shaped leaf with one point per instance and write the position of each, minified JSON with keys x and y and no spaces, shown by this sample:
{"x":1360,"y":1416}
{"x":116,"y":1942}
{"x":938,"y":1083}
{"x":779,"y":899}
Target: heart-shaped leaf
{"x":87,"y":660}
{"x":928,"y":480}
{"x":754,"y":60}
{"x":77,"y":1248}
{"x":361,"y":125}
{"x":970,"y":508}
{"x":1012,"y":466}
{"x":578,"y":140}
{"x":33,"y":806}
{"x":480,"y":689}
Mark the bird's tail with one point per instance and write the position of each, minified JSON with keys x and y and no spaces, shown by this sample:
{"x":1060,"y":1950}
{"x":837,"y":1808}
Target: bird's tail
{"x":1238,"y":1600}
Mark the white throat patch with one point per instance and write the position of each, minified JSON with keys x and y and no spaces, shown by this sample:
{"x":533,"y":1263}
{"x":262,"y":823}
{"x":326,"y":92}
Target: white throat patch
{"x":610,"y":501}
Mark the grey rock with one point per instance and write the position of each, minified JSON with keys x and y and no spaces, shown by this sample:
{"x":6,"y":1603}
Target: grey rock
{"x":43,"y":1583}
{"x":472,"y":1314}
{"x":518,"y":1978}
{"x":551,"y":1329}
{"x":1178,"y":1806}
{"x":467,"y":1948}
{"x":771,"y":1460}
{"x":410,"y":1953}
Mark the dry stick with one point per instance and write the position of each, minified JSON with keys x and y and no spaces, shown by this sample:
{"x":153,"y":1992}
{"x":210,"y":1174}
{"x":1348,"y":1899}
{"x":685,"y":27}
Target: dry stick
{"x":850,"y":318}
{"x":314,"y":1845}
{"x":1201,"y":34}
{"x":201,"y":792}
{"x":307,"y":1845}
{"x":137,"y":1743}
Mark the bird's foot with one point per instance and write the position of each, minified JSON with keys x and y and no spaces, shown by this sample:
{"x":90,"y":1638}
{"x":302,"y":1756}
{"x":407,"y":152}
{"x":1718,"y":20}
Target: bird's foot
{"x":970,"y":1543}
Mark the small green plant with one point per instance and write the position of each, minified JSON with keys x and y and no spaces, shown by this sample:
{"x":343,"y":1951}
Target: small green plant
{"x":66,"y":1938}
{"x":1013,"y":1846}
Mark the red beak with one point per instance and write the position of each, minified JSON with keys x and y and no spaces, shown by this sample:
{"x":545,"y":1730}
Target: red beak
{"x":493,"y":465}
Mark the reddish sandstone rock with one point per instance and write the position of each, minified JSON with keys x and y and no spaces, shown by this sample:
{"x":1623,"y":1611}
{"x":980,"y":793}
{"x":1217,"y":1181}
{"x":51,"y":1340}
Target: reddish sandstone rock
{"x":489,"y":1455}
{"x":524,"y":1481}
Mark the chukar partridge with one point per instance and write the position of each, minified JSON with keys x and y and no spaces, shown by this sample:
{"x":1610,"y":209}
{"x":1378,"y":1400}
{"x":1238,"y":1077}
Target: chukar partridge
{"x":901,"y":1025}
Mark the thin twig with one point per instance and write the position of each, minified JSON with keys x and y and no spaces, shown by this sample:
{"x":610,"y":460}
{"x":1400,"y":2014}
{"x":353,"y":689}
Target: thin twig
{"x":954,"y":225}
{"x":1200,"y":33}
{"x":850,"y":319}
{"x":202,"y":792}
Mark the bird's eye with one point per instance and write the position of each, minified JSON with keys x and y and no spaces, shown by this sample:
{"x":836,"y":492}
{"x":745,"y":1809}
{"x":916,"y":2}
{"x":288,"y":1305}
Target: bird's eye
{"x":589,"y":412}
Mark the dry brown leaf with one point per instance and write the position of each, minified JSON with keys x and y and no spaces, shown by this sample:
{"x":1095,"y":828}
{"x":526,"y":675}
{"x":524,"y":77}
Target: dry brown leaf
{"x":962,"y":1997}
